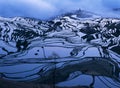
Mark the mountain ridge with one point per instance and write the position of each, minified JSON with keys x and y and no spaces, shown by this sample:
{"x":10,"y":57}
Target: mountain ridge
{"x":70,"y":45}
{"x":70,"y":27}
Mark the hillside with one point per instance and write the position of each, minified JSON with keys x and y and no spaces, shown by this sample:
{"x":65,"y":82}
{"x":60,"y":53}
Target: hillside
{"x":83,"y":41}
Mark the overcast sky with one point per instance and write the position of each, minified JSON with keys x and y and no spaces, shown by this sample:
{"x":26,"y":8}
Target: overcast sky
{"x":44,"y":9}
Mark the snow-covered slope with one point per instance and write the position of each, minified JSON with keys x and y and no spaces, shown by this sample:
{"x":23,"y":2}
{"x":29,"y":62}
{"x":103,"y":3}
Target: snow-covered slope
{"x":74,"y":28}
{"x":72,"y":37}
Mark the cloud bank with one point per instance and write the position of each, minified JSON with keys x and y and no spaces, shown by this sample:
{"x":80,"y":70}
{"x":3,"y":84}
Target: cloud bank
{"x":44,"y":9}
{"x":27,"y":8}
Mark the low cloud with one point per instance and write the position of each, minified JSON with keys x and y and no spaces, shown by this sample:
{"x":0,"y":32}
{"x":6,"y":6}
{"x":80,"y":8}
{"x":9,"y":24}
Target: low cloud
{"x":44,"y":9}
{"x":27,"y":8}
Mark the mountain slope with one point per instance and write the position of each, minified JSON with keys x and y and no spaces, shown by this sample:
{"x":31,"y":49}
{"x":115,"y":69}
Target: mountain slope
{"x":72,"y":44}
{"x":22,"y":36}
{"x":72,"y":27}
